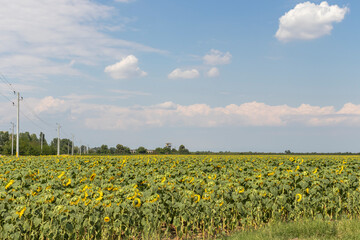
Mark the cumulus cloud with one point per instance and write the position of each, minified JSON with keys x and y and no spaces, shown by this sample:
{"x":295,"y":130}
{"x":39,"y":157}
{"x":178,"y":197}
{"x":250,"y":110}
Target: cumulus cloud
{"x":170,"y":114}
{"x":213,"y":72}
{"x":51,"y":105}
{"x":216,"y":57}
{"x":126,"y":68}
{"x":187,"y":74}
{"x":309,"y":21}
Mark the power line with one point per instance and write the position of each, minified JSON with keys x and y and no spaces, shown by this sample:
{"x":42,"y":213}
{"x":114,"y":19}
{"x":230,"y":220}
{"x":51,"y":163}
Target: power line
{"x":7,"y":98}
{"x":7,"y":82}
{"x":36,"y":115}
{"x":22,"y":113}
{"x":4,"y":79}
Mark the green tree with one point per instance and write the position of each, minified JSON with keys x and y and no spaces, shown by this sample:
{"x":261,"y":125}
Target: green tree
{"x":104,"y":149}
{"x":141,"y":150}
{"x":183,"y":150}
{"x":120,"y":149}
{"x":4,"y":141}
{"x":159,"y":150}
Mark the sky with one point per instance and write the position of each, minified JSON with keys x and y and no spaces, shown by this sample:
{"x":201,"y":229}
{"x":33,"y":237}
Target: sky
{"x":261,"y":76}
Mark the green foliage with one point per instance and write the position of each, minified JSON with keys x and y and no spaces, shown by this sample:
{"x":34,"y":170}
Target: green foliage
{"x":141,"y":150}
{"x":120,"y":149}
{"x":183,"y":150}
{"x":85,"y":197}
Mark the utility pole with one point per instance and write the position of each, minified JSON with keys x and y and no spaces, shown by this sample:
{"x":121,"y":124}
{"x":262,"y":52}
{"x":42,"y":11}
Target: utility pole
{"x":12,"y":138}
{"x":17,"y":124}
{"x":58,"y":142}
{"x":72,"y":146}
{"x":41,"y":142}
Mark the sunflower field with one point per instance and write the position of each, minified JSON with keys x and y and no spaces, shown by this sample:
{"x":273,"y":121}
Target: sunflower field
{"x":146,"y":197}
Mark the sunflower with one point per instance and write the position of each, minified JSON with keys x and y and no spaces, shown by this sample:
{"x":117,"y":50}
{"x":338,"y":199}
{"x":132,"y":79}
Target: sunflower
{"x":9,"y":184}
{"x":155,"y":199}
{"x":197,"y":198}
{"x":68,"y":182}
{"x":92,"y":177}
{"x":62,"y":174}
{"x":106,"y":219}
{"x":298,"y":197}
{"x":21,"y":212}
{"x":100,"y":196}
{"x":242,"y":189}
{"x":133,"y":196}
{"x":137,"y":202}
{"x":163,"y":179}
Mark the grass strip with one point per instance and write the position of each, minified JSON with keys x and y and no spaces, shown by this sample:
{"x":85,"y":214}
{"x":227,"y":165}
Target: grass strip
{"x":348,"y":229}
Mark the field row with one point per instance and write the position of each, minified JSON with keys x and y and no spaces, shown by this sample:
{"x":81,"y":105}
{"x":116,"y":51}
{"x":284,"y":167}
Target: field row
{"x":168,"y":196}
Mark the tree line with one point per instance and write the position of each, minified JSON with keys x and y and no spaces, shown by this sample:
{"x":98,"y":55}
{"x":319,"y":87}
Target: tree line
{"x":31,"y":144}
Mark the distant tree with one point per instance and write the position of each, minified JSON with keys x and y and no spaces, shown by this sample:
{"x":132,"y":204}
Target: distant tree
{"x":159,"y":150}
{"x":42,"y":135}
{"x":287,"y":152}
{"x":183,"y":150}
{"x":112,"y":150}
{"x":141,"y":150}
{"x":65,"y":146}
{"x":120,"y":149}
{"x":104,"y":149}
{"x":4,"y":141}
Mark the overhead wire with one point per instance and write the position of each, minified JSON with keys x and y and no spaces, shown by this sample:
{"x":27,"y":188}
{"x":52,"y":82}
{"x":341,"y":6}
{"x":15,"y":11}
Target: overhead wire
{"x":5,"y":80}
{"x":36,"y":115}
{"x":22,"y":113}
{"x":7,"y":98}
{"x":32,"y":111}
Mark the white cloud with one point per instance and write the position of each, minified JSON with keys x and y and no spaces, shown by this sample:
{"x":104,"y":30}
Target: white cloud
{"x":309,"y":21}
{"x":169,"y":114}
{"x":51,"y":105}
{"x":53,"y":33}
{"x":213,"y":72}
{"x":187,"y":74}
{"x":126,"y":68}
{"x":216,"y":57}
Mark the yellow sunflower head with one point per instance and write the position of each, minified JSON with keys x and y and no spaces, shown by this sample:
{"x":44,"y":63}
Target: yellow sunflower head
{"x":92,"y":177}
{"x":21,"y":212}
{"x":106,"y":219}
{"x":136,"y":202}
{"x":298,"y":197}
{"x":197,"y":198}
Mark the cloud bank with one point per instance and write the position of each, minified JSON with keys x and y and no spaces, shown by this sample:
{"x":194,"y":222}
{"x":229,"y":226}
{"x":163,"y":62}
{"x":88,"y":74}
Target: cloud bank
{"x":169,"y":114}
{"x":309,"y":21}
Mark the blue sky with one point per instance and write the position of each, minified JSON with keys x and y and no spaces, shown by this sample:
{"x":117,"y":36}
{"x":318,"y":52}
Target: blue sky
{"x":212,"y":75}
